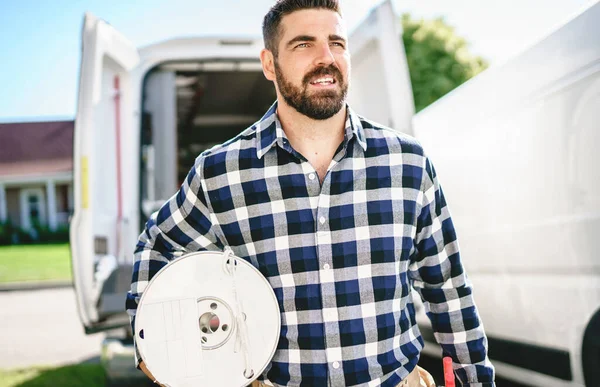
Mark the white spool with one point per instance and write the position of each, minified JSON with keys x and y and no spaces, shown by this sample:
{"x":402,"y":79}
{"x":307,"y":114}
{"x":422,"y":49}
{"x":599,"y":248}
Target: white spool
{"x":178,"y":336}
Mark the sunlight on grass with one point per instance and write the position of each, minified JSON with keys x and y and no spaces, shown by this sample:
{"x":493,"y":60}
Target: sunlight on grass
{"x":35,"y":263}
{"x":89,"y":375}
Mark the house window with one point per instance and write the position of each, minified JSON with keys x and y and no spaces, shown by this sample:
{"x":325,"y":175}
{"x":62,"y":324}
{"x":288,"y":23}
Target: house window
{"x":33,"y":210}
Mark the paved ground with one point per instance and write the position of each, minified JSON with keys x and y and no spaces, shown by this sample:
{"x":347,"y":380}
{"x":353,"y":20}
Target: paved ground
{"x":41,"y":327}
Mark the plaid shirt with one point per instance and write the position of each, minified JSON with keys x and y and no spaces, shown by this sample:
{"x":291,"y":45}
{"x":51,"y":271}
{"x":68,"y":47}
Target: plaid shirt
{"x":341,"y":256}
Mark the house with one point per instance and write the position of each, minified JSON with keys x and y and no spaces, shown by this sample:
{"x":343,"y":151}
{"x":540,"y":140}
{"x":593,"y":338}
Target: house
{"x":36,"y":173}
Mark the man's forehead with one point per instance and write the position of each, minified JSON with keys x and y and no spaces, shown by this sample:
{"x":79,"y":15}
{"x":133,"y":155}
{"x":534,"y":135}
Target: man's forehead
{"x":314,"y":22}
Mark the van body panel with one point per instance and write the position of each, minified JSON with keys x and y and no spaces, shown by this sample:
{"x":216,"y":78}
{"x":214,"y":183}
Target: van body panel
{"x":380,"y":84}
{"x":516,"y":150}
{"x":99,"y":224}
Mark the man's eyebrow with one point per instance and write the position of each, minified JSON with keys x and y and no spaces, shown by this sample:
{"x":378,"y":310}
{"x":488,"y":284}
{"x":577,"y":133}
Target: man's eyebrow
{"x":336,"y":37}
{"x":301,"y":38}
{"x":309,"y":38}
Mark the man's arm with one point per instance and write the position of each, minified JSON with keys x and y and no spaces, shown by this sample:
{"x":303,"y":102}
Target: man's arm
{"x":438,"y":276}
{"x":180,"y":226}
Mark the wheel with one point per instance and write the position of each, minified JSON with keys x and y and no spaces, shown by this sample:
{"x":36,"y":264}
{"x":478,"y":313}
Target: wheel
{"x":590,"y":352}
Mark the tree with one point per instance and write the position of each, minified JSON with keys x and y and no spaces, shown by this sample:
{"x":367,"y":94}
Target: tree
{"x":438,"y":59}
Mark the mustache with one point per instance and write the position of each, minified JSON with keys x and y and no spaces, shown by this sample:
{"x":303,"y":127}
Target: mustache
{"x":328,"y":70}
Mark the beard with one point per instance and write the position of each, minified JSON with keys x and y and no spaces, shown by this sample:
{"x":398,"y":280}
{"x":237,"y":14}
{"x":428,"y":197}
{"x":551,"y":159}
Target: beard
{"x":319,"y":105}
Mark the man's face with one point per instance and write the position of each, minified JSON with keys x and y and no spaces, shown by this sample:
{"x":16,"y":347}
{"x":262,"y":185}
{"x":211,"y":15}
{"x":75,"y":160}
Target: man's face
{"x":313,"y":64}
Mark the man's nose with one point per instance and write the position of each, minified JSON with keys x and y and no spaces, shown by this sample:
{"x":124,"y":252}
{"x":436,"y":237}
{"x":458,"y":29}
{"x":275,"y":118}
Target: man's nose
{"x":324,"y":55}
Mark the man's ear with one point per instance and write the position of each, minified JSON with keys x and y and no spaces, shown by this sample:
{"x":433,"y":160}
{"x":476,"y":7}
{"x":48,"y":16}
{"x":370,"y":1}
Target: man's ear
{"x":268,"y":64}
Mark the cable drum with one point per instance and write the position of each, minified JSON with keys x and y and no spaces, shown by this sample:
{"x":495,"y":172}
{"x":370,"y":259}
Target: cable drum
{"x":207,"y":319}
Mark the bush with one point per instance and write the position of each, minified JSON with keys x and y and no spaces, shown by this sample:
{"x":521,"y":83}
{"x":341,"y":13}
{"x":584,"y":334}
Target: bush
{"x":6,"y":233}
{"x":45,"y":235}
{"x":11,"y":235}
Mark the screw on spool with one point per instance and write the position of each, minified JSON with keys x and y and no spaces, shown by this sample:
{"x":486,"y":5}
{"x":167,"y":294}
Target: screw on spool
{"x":248,"y":374}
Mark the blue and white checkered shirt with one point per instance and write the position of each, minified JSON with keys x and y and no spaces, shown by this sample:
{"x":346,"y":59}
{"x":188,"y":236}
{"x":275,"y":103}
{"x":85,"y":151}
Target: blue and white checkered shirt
{"x":341,"y":256}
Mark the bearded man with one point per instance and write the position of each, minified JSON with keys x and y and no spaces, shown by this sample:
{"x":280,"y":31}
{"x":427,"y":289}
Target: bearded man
{"x":340,"y":214}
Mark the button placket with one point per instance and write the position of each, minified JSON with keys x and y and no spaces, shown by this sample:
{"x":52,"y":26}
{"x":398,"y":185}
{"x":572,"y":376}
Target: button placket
{"x":327,"y":284}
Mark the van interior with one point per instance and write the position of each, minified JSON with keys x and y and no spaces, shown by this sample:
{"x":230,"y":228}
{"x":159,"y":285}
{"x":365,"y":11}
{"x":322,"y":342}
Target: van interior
{"x":189,"y":107}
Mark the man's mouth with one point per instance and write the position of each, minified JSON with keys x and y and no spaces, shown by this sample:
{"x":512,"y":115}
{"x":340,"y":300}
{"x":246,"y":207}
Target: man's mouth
{"x":323,"y":81}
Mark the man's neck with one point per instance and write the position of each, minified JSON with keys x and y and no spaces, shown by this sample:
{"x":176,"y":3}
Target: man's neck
{"x":317,"y":140}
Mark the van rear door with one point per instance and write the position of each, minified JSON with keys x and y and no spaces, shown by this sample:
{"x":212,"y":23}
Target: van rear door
{"x":104,"y":115}
{"x":381,"y":89}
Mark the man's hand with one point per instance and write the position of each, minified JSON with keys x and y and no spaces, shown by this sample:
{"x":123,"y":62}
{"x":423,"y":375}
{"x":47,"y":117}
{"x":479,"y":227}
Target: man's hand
{"x":148,"y":373}
{"x":426,"y":378}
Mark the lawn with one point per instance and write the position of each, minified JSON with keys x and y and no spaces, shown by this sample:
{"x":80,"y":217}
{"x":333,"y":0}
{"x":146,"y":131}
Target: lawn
{"x":35,"y":263}
{"x":88,"y":375}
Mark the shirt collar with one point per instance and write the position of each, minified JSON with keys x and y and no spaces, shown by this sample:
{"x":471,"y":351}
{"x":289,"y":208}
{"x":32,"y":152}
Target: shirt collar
{"x":270,"y":132}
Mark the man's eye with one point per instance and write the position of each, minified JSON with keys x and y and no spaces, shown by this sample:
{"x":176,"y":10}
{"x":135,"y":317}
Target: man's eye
{"x":302,"y":45}
{"x":338,"y":44}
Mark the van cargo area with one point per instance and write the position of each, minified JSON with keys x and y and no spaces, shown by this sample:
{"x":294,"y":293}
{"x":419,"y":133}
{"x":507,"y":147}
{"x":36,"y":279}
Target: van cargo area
{"x":189,"y":107}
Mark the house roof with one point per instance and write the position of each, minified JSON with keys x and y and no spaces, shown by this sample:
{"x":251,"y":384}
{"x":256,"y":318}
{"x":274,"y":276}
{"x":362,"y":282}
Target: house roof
{"x":33,"y":148}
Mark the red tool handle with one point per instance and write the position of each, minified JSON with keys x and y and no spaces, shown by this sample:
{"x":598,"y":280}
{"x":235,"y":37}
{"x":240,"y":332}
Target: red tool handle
{"x":448,"y":372}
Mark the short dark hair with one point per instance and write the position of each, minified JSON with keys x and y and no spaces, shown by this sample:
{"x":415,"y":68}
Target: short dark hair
{"x":272,"y":20}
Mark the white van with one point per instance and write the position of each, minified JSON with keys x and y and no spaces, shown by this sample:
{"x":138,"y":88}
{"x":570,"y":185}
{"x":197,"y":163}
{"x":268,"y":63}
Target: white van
{"x":513,"y":148}
{"x":516,"y":149}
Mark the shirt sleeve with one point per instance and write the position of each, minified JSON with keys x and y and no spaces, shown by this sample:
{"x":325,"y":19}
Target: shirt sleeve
{"x":183,"y":224}
{"x":438,"y":276}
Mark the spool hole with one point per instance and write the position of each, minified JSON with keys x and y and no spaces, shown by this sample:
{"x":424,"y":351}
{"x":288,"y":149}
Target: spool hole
{"x":209,"y":322}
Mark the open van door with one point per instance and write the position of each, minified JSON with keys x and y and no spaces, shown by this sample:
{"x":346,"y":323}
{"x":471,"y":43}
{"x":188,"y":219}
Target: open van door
{"x":104,"y":115}
{"x":381,"y":89}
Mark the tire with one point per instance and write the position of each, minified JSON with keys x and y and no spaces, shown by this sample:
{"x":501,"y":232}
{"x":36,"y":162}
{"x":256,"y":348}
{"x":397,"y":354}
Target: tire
{"x":590,"y":352}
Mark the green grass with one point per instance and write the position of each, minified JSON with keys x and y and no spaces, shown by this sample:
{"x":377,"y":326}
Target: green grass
{"x":77,"y":375}
{"x":35,"y":263}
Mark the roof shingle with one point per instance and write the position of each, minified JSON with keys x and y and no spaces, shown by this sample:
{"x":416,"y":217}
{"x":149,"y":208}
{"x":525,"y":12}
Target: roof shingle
{"x":36,"y":147}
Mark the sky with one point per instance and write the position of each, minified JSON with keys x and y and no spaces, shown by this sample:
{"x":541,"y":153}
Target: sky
{"x":40,"y":42}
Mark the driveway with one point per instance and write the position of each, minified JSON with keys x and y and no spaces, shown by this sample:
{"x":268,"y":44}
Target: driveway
{"x":41,"y":327}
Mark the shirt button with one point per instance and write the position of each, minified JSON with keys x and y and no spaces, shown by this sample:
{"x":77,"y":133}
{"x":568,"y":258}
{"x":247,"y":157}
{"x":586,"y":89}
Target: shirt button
{"x":322,"y":220}
{"x":311,"y":176}
{"x":326,"y":266}
{"x":336,"y":365}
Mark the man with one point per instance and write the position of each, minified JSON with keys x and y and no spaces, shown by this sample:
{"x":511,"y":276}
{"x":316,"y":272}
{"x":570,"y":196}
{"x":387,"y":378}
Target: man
{"x":340,"y":215}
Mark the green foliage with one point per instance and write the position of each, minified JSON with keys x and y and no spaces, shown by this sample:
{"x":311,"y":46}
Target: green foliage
{"x":9,"y":234}
{"x":6,"y":231}
{"x":438,"y":59}
{"x":45,"y":235}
